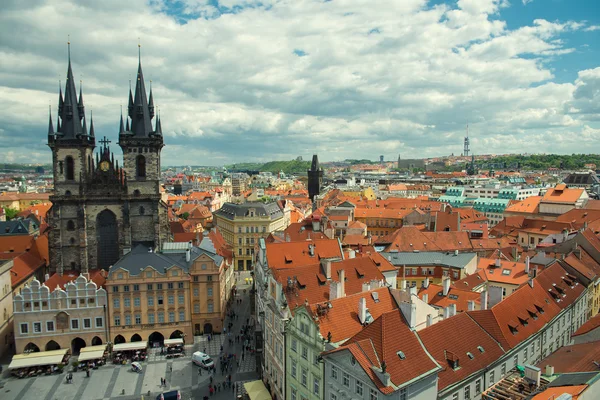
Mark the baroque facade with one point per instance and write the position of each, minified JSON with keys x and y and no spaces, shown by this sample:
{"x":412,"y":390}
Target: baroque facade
{"x":100,"y":209}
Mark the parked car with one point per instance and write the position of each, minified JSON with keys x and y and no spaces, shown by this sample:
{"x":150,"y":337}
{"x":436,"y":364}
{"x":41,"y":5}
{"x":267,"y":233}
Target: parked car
{"x":172,"y":395}
{"x":203,"y":360}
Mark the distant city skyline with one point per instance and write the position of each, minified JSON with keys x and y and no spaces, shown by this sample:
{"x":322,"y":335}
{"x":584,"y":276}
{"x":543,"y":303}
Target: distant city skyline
{"x":254,"y":81}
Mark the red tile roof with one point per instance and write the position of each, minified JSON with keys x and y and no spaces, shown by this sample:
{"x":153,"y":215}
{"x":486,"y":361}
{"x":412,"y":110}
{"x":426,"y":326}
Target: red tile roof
{"x":342,"y":318}
{"x":509,"y":272}
{"x":456,"y":296}
{"x":574,"y":358}
{"x":444,"y":346}
{"x":97,"y":276}
{"x":381,"y":341}
{"x":590,"y":325}
{"x":530,"y":205}
{"x":313,"y":287}
{"x":472,"y":281}
{"x":293,"y":254}
{"x":562,"y":194}
{"x":512,"y":320}
{"x":24,"y":266}
{"x":449,"y":241}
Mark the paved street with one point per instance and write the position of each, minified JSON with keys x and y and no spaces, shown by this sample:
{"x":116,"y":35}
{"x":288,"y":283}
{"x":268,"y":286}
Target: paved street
{"x":120,"y":382}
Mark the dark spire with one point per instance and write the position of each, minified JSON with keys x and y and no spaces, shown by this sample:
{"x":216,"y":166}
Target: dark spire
{"x":158,"y":125}
{"x":80,"y":103}
{"x":130,"y":105}
{"x":70,"y":111}
{"x":50,"y":124}
{"x":151,"y":103}
{"x":91,"y":124}
{"x":121,"y":127}
{"x":60,"y":98}
{"x":127,"y":125}
{"x":141,"y":124}
{"x":315,"y":163}
{"x":84,"y":129}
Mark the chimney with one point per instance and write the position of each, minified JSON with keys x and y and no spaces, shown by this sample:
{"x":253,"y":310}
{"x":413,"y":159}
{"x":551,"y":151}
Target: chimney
{"x":549,"y":370}
{"x":46,"y":277}
{"x":470,"y":305}
{"x":362,"y":310}
{"x":328,"y":269}
{"x":426,"y":283}
{"x":446,"y":312}
{"x":565,"y":233}
{"x":452,"y":308}
{"x":351,"y":254}
{"x":342,"y":287}
{"x":498,"y":263}
{"x":527,"y":265}
{"x":484,"y":300}
{"x":412,"y":290}
{"x":412,"y":321}
{"x":446,"y":285}
{"x":333,"y":290}
{"x":375,"y":284}
{"x":426,"y":298}
{"x":188,"y":255}
{"x":429,"y":320}
{"x":311,"y":250}
{"x":530,"y":281}
{"x":369,"y":239}
{"x":366,"y":287}
{"x":190,"y":244}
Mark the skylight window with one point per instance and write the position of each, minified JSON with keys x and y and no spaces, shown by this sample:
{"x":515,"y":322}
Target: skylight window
{"x":470,"y":355}
{"x":506,"y":272}
{"x":401,"y":355}
{"x":481,"y":350}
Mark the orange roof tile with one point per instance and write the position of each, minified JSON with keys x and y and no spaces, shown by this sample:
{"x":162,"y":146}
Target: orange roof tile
{"x":293,"y":254}
{"x":574,"y":358}
{"x":562,"y":194}
{"x":97,"y":276}
{"x":509,"y":272}
{"x":342,"y":318}
{"x":455,"y":296}
{"x":472,"y":281}
{"x":440,"y":343}
{"x":530,"y":205}
{"x":590,"y":325}
{"x":555,"y":391}
{"x":24,"y":266}
{"x":381,"y":341}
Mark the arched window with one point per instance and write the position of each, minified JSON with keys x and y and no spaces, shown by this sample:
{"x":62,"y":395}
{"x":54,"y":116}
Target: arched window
{"x":70,"y":225}
{"x":142,"y":211}
{"x":136,"y":193}
{"x":140,"y":163}
{"x":70,"y":164}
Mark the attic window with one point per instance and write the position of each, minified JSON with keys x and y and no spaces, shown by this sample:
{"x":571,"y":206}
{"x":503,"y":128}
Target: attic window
{"x":470,"y":355}
{"x":401,"y":355}
{"x":513,"y":328}
{"x":375,"y":297}
{"x":481,"y":350}
{"x":506,"y":272}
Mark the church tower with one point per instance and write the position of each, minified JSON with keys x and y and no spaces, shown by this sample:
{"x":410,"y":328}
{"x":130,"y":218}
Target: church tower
{"x":315,"y":178}
{"x":141,"y":144}
{"x":99,"y":209}
{"x":72,"y":153}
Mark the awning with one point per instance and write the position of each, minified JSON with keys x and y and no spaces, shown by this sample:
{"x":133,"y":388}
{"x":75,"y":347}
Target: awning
{"x":92,"y":352}
{"x":130,"y":346}
{"x":257,"y":391}
{"x":39,"y":358}
{"x":173,"y":342}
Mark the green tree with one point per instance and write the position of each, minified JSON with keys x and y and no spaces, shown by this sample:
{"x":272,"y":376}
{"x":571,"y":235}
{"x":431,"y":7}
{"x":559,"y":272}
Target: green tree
{"x":185,"y":215}
{"x":10,"y":213}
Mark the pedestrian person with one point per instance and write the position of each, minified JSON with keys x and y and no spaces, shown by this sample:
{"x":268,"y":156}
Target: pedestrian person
{"x":171,"y":368}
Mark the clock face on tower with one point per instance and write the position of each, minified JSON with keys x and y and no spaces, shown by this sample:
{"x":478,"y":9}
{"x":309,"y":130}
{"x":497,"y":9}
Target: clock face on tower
{"x":104,"y":166}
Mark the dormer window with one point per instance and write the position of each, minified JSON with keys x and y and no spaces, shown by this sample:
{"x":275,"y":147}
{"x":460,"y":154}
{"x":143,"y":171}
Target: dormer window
{"x":401,"y":355}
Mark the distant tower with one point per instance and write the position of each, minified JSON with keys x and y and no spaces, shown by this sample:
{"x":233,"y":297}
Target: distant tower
{"x":381,"y":159}
{"x":466,"y":149}
{"x":315,"y":178}
{"x":398,"y":161}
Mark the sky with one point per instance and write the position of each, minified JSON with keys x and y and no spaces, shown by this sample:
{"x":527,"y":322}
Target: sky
{"x":261,"y":80}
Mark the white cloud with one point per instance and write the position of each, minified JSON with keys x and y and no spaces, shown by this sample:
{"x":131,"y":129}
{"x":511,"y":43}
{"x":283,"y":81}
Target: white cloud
{"x":378,"y":77}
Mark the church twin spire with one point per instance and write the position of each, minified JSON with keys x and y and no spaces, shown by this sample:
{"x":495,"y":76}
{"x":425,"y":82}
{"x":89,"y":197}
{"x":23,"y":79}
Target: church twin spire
{"x":71,"y":123}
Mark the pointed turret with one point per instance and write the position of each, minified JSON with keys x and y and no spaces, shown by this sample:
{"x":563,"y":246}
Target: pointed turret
{"x":151,"y":103}
{"x":130,"y":104}
{"x":315,"y":163}
{"x":127,"y":125}
{"x":70,"y":109}
{"x":80,"y":102}
{"x":60,"y":98}
{"x":84,"y":129}
{"x":121,"y":126}
{"x":91,"y":125}
{"x":50,"y":124}
{"x":158,"y":126}
{"x":141,"y":124}
{"x":315,"y":178}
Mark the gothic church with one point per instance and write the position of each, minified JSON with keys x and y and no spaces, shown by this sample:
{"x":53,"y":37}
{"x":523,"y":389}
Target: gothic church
{"x":100,"y":210}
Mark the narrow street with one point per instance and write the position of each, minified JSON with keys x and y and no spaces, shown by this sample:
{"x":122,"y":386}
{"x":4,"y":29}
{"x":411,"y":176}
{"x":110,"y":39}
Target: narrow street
{"x":243,"y":365}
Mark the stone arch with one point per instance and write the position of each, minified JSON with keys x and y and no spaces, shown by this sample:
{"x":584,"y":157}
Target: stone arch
{"x":69,"y":168}
{"x":136,"y":338}
{"x":107,"y":239}
{"x":77,"y":344}
{"x":52,"y":345}
{"x":156,"y":337}
{"x":31,"y":348}
{"x":140,"y":166}
{"x":136,"y":193}
{"x":70,"y":225}
{"x":119,"y":339}
{"x":96,"y":341}
{"x":176,"y":334}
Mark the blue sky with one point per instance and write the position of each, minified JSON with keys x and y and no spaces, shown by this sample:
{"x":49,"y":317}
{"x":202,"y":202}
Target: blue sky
{"x":249,"y":80}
